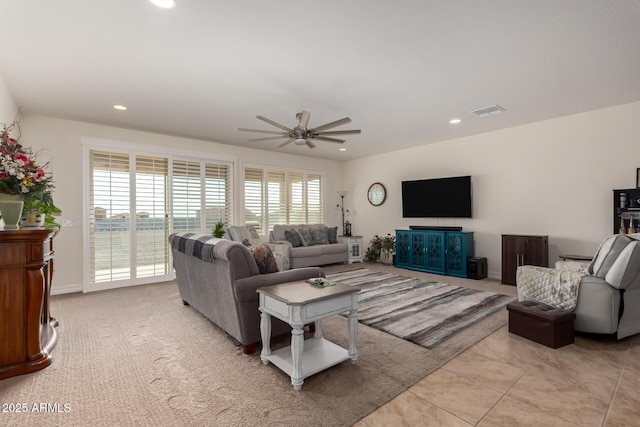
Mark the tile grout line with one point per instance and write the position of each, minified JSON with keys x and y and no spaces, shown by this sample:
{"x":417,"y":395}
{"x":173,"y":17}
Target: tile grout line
{"x":512,"y":385}
{"x":613,"y":395}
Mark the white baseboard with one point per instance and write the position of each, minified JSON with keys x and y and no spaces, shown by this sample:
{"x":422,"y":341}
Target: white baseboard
{"x":66,"y":289}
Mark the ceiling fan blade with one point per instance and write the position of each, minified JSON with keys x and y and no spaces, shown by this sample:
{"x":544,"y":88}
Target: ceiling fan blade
{"x":339,"y":132}
{"x":332,"y":124}
{"x":274,"y":132}
{"x":271,"y":122}
{"x":269,"y":138}
{"x":304,"y":119}
{"x":285,"y":143}
{"x":311,"y":144}
{"x":324,"y":138}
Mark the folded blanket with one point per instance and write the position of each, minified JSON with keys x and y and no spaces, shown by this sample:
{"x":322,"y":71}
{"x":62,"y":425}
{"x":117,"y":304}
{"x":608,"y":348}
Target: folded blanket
{"x":558,"y":288}
{"x":198,"y":245}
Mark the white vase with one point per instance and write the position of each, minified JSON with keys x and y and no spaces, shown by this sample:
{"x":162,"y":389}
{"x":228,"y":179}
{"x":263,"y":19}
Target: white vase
{"x":11,"y":210}
{"x":386,"y":257}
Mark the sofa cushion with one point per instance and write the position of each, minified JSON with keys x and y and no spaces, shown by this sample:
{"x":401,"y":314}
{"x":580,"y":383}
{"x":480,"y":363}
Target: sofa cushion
{"x":307,"y":251}
{"x":332,"y":234}
{"x":305,"y":234}
{"x":319,"y":235}
{"x":264,"y":259}
{"x":293,"y":237}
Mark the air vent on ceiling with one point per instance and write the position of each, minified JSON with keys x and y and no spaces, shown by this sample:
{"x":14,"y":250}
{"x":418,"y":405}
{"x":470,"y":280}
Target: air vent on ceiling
{"x":488,"y":111}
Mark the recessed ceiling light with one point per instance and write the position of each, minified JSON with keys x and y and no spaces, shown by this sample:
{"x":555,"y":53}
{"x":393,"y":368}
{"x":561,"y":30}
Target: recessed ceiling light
{"x":165,"y":4}
{"x":343,"y":149}
{"x":119,"y":107}
{"x":454,"y":121}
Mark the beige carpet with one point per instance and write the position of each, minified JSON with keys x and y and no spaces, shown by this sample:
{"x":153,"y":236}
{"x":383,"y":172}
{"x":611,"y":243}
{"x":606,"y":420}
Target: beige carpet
{"x":137,"y":356}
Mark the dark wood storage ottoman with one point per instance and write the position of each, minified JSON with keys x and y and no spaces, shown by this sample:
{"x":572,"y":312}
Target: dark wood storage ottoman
{"x":541,"y":323}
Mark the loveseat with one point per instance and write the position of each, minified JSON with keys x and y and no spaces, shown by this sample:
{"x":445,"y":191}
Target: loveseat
{"x":310,"y":245}
{"x":219,"y":278}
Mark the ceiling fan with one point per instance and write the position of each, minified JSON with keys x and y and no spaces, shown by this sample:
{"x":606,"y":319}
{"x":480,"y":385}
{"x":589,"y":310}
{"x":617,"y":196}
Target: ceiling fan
{"x":301,"y":135}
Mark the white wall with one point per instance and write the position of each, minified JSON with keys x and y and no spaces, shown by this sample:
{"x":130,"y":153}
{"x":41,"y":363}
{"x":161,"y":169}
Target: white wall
{"x":61,"y":142}
{"x":8,"y":107}
{"x":552,"y":178}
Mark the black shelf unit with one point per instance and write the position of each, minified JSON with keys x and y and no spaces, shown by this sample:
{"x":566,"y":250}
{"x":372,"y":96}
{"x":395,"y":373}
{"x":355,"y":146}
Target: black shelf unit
{"x":630,"y":207}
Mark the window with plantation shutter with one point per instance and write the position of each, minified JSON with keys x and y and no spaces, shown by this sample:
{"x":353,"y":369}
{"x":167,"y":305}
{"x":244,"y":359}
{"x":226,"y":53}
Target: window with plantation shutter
{"x":136,"y":200}
{"x":152,"y":228}
{"x":109,"y":212}
{"x":276,"y":199}
{"x":315,"y":199}
{"x":276,"y":196}
{"x":254,"y":199}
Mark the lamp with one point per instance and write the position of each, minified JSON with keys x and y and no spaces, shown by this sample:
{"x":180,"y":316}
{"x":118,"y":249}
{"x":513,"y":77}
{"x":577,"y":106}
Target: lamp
{"x":346,"y":227}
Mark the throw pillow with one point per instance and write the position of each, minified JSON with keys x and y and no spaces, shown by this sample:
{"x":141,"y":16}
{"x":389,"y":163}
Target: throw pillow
{"x":264,"y":259}
{"x":332,"y":234}
{"x":246,"y":242}
{"x":319,"y":235}
{"x":305,"y":235}
{"x":294,"y":237}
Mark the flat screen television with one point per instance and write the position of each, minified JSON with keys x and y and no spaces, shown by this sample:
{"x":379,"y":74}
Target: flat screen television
{"x":437,"y":198}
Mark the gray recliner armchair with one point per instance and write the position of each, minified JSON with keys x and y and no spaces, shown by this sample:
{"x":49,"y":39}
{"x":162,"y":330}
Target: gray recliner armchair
{"x":606,"y":292}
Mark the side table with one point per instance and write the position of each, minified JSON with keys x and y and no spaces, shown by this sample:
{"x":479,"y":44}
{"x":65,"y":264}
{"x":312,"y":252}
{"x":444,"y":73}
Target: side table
{"x":355,"y":247}
{"x":299,"y":303}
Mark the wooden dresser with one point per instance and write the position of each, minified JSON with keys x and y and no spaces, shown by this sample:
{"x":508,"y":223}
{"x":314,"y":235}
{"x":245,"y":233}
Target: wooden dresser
{"x":27,"y":331}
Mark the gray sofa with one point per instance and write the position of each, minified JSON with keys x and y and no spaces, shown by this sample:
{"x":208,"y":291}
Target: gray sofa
{"x":317,"y":245}
{"x":219,"y":279}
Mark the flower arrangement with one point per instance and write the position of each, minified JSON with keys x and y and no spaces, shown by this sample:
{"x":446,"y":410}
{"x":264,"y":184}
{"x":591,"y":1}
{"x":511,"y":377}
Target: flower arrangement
{"x":380,"y":247}
{"x":21,"y":175}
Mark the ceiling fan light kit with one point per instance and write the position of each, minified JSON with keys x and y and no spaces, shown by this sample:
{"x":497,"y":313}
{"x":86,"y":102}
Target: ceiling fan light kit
{"x":302,"y":134}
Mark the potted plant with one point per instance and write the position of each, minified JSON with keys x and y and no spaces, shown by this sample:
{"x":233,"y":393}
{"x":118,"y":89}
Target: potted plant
{"x":218,"y":230}
{"x":381,"y":249}
{"x":40,"y":212}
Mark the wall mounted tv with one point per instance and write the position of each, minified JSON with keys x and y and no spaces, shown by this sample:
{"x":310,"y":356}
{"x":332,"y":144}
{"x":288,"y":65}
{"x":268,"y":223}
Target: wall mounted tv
{"x":437,"y":198}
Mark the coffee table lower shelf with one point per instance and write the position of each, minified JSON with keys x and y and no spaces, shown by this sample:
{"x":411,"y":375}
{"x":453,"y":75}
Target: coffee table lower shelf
{"x":318,"y":354}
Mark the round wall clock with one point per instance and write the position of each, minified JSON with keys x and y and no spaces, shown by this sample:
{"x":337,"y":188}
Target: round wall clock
{"x":377,"y":194}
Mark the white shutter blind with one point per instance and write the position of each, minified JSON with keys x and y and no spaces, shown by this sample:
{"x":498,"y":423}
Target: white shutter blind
{"x":297,"y":196}
{"x":276,"y":199}
{"x":152,"y":228}
{"x":218,"y":194}
{"x":136,"y":200}
{"x":186,"y":194}
{"x":254,"y":199}
{"x":109,"y":216}
{"x":289,"y":198}
{"x":315,"y":199}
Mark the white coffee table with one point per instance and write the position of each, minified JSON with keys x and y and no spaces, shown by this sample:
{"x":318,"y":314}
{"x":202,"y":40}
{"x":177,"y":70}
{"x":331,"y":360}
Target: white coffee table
{"x":298,"y":304}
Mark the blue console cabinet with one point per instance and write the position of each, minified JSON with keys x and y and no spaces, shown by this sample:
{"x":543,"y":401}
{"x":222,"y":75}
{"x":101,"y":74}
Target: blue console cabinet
{"x":434,"y":251}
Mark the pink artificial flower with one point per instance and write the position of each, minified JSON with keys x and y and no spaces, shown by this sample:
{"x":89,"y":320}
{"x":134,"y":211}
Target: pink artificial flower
{"x":39,"y":173}
{"x":12,"y":141}
{"x":24,"y":158}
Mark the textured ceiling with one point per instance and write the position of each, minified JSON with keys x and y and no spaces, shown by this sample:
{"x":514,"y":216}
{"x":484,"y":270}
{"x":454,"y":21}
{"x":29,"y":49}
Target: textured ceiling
{"x":400,"y":69}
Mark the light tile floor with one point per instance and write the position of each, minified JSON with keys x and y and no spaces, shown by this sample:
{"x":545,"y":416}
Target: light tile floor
{"x":506,"y":380}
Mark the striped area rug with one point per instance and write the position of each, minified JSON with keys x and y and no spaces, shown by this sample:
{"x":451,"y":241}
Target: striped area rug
{"x":425,"y":313}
